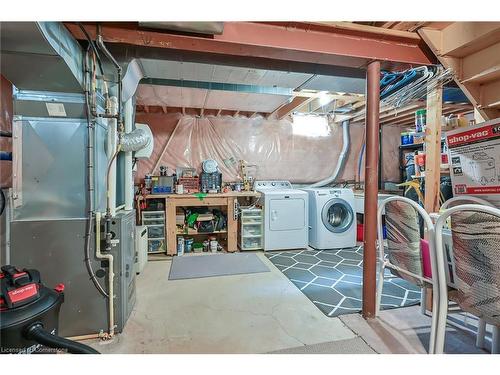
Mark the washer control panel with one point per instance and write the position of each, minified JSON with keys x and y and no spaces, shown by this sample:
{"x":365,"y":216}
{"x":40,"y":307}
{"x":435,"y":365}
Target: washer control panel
{"x":269,"y":185}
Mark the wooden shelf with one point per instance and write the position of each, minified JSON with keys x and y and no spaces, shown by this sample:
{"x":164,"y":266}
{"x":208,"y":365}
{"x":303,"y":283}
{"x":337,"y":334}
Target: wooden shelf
{"x":193,"y":232}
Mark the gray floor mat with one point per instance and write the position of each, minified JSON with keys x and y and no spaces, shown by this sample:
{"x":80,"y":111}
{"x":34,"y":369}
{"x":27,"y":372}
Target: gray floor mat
{"x":197,"y":266}
{"x":333,"y":280}
{"x":351,"y":346}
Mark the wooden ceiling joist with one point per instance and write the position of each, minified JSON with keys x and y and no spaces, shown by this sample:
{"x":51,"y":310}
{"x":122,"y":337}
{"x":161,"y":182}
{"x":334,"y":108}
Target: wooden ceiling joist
{"x":288,"y":108}
{"x":141,"y":108}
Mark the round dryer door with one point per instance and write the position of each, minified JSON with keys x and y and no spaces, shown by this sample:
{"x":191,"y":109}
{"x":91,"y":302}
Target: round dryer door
{"x":337,"y":215}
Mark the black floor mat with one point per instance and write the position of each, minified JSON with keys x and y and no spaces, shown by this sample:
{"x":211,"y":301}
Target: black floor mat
{"x":333,"y":279}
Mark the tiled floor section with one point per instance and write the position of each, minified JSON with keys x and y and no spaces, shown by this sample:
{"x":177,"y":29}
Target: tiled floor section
{"x":332,"y":279}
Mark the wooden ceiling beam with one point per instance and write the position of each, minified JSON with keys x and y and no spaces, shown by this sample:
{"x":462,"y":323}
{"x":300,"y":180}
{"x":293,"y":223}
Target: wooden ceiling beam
{"x":291,"y":106}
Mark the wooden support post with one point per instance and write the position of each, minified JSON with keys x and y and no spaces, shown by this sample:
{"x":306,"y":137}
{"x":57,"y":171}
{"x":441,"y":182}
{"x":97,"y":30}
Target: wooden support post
{"x":232,"y":226}
{"x":171,"y":227}
{"x":433,"y":149}
{"x":371,"y":189}
{"x":433,"y":158}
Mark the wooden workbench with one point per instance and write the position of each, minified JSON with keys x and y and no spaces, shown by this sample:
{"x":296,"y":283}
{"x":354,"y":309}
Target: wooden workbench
{"x":172,"y":201}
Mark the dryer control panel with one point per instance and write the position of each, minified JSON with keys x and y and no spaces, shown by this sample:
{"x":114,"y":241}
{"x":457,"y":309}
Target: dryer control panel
{"x":270,"y":185}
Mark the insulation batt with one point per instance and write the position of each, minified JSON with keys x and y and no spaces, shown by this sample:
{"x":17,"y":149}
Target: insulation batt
{"x":278,"y":150}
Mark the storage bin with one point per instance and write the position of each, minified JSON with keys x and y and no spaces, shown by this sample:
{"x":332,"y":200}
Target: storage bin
{"x":156,"y":246}
{"x":251,"y":229}
{"x":156,"y":231}
{"x":153,"y":215}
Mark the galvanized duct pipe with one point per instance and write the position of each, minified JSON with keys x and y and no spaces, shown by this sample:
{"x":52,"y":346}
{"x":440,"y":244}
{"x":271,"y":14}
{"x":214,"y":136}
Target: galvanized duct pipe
{"x":346,"y":145}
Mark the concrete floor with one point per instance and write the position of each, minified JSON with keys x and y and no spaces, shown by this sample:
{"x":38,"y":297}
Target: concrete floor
{"x":406,"y":330}
{"x":262,"y":313}
{"x":254,"y":313}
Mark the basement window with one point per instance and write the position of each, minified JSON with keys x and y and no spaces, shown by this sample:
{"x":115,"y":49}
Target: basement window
{"x":310,"y":126}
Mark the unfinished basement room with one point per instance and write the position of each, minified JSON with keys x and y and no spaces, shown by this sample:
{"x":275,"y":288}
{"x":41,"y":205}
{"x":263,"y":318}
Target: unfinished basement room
{"x":191,"y":179}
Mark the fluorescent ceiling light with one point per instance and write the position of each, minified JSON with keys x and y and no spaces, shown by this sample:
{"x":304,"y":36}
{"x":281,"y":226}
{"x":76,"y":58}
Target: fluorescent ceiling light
{"x":324,"y":99}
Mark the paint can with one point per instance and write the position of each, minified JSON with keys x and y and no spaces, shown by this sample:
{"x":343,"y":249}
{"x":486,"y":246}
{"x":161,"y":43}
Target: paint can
{"x":188,"y":245}
{"x":213,"y":244}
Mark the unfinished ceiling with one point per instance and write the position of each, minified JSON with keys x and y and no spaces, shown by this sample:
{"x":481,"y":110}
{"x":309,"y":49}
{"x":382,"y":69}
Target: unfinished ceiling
{"x":216,"y":87}
{"x":182,"y":97}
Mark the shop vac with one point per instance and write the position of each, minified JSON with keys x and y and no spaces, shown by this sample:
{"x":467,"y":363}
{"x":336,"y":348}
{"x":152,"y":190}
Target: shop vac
{"x":29,"y":315}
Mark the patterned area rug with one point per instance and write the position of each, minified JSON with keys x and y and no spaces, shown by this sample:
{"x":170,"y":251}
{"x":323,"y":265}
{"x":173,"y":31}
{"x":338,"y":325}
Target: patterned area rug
{"x":333,"y":279}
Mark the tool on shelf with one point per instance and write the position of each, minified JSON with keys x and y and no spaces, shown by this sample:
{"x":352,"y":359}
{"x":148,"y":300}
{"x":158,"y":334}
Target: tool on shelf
{"x":211,"y":178}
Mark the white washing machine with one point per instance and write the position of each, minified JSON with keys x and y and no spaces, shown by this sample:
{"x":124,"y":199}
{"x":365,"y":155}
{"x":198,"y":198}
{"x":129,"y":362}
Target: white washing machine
{"x":285,"y":215}
{"x":332,"y":218}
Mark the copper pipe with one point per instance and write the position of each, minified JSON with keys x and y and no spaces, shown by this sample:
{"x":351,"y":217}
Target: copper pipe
{"x":371,"y":188}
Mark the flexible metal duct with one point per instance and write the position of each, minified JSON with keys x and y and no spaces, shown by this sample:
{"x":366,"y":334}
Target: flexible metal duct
{"x":135,"y":140}
{"x":342,"y":157}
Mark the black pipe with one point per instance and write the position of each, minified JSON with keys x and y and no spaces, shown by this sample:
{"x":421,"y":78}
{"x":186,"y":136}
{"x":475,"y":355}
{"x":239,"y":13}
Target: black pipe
{"x":4,"y":133}
{"x":41,"y":336}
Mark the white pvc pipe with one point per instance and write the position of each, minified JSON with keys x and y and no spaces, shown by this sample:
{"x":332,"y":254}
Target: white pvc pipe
{"x":111,"y":149}
{"x":111,"y":275}
{"x":128,"y":179}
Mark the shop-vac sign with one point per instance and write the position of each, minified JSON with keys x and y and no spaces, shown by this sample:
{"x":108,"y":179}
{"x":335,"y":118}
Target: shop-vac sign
{"x":474,"y":153}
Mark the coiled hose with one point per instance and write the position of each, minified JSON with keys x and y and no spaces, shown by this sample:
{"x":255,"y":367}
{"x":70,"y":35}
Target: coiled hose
{"x":41,"y":336}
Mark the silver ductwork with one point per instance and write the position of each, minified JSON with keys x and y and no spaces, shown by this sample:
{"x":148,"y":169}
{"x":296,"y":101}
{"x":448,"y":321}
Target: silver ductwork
{"x":41,"y":56}
{"x":135,"y":140}
{"x":344,"y":154}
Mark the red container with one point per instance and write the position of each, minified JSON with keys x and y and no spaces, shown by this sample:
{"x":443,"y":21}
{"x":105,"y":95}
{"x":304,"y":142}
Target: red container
{"x":359,"y":232}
